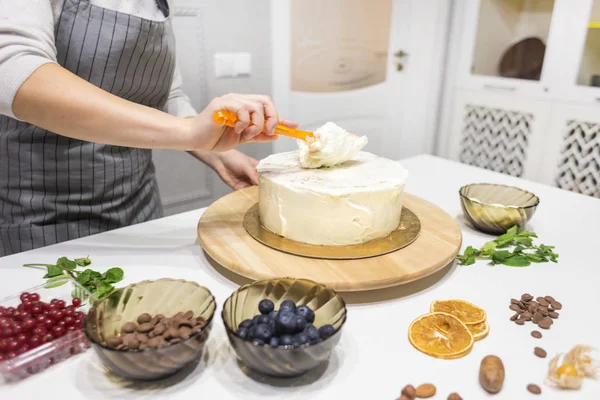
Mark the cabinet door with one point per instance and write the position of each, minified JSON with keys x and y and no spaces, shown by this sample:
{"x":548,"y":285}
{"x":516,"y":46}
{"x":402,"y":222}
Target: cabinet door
{"x":497,"y":131}
{"x":571,"y":157}
{"x":504,"y":44}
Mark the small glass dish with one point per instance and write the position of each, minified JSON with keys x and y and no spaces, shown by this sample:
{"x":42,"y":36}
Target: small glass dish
{"x":284,"y":361}
{"x":163,"y":296}
{"x":494,"y":209}
{"x":40,"y":358}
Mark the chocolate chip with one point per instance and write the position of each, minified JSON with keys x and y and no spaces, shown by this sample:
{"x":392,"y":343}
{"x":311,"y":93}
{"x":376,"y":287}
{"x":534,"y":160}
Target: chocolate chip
{"x":514,"y":301}
{"x":536,"y":334}
{"x":179,"y":315}
{"x":156,"y":341}
{"x":526,"y":297}
{"x":187,"y":322}
{"x":129,"y":327}
{"x":514,"y":317}
{"x":549,"y":298}
{"x":520,"y":321}
{"x":173,"y":322}
{"x":145,"y":317}
{"x":145,"y":327}
{"x":556,"y":305}
{"x":532,"y":308}
{"x":185,"y":331}
{"x":538,"y":351}
{"x":553,"y":314}
{"x":189,"y":314}
{"x":537,"y":317}
{"x":527,"y":315}
{"x":154,"y":321}
{"x":543,"y":302}
{"x":175,"y":340}
{"x":535,"y":389}
{"x":545,"y":323}
{"x":171,"y":333}
{"x":120,"y":347}
{"x":144,"y":346}
{"x":160,"y":317}
{"x":543,"y":310}
{"x":159,"y":330}
{"x":142,"y":337}
{"x":515,"y":307}
{"x":131,"y":341}
{"x":113,"y":341}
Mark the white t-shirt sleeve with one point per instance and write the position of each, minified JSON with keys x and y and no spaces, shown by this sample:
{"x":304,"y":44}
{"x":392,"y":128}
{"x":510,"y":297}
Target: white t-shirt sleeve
{"x":26,"y":43}
{"x":179,"y":103}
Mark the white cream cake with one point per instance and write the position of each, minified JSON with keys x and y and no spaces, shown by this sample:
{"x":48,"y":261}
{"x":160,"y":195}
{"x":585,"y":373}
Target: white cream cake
{"x":350,"y":203}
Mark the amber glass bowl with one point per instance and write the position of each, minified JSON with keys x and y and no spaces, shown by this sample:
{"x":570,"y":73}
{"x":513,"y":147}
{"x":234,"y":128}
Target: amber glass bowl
{"x":288,"y":361}
{"x":163,"y":296}
{"x":495,"y":208}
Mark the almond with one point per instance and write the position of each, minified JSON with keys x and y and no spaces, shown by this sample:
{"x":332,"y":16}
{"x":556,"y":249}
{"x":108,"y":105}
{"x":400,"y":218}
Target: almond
{"x":425,"y":390}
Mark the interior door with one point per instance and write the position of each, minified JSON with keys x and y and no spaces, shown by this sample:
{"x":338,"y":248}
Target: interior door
{"x":372,"y":67}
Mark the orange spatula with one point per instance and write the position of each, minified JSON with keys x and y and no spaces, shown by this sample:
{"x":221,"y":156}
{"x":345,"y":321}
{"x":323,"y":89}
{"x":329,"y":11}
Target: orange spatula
{"x":228,"y":118}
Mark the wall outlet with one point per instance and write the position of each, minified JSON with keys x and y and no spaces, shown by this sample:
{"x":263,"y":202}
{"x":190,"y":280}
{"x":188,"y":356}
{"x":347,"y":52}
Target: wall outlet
{"x":233,"y":65}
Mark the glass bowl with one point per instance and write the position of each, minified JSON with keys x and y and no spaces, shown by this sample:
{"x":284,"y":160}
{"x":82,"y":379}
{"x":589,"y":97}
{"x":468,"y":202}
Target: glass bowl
{"x":495,"y":208}
{"x":163,"y":296}
{"x":328,"y":306}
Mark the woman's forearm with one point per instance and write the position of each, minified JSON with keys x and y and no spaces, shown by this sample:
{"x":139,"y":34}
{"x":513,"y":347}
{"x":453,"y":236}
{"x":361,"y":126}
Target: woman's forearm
{"x":61,"y":102}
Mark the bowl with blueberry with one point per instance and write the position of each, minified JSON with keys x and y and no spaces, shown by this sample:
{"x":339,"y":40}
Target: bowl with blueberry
{"x":284,"y":327}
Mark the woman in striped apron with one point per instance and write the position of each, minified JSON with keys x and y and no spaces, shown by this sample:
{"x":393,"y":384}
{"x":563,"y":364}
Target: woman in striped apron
{"x":87,"y":89}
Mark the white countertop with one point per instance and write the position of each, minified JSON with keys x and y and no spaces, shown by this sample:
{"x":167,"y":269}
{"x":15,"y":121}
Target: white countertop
{"x":374,"y":358}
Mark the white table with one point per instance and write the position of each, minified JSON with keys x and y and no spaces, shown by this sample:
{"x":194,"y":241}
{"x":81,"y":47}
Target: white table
{"x":374,"y":358}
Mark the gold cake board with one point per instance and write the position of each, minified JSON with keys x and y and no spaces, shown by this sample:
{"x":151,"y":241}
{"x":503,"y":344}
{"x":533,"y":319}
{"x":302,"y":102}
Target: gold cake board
{"x":223,"y":236}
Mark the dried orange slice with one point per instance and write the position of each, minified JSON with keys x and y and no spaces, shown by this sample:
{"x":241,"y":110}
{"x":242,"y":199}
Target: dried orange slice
{"x":479,"y":331}
{"x":440,"y":335}
{"x":468,"y":313}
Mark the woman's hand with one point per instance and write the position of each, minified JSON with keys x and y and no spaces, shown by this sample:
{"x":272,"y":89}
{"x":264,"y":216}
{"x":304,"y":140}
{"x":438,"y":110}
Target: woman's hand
{"x":257,"y":119}
{"x":235,"y":168}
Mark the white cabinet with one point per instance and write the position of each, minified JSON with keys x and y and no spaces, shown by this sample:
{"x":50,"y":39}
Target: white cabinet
{"x":522,"y":95}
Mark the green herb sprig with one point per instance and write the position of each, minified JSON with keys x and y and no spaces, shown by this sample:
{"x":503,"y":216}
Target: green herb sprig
{"x":515,"y":248}
{"x":101,"y":285}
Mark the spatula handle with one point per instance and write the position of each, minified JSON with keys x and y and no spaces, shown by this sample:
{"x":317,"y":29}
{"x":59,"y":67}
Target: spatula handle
{"x":228,"y":118}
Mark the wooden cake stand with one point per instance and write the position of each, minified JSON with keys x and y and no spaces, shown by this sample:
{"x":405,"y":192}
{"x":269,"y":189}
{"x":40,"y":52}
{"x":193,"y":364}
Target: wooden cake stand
{"x":225,"y":239}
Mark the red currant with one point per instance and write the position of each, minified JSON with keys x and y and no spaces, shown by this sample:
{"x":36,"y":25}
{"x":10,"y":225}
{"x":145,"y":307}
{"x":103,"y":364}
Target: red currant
{"x":61,"y":304}
{"x":69,"y":320}
{"x":48,"y":323}
{"x":10,"y":355}
{"x":3,"y":345}
{"x":28,"y":324}
{"x":40,"y":330}
{"x":47,"y":338}
{"x":4,"y":322}
{"x":36,"y":309}
{"x":20,"y":308}
{"x":58,"y":331}
{"x":6,"y":332}
{"x":21,"y":338}
{"x":61,"y":322}
{"x":24,"y":296}
{"x":35,"y":341}
{"x":71,"y":328}
{"x":60,"y":314}
{"x":17,"y":329}
{"x":34,"y":297}
{"x":76,"y":302}
{"x":23,"y":349}
{"x":53,"y":301}
{"x":12,"y":344}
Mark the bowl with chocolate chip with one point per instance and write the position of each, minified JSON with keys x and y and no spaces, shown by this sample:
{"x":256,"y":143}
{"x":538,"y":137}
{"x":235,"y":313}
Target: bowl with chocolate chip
{"x":284,"y":327}
{"x":151,"y":329}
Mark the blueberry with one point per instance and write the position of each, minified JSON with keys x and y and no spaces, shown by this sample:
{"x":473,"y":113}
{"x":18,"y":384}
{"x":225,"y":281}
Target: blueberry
{"x":312,"y":332}
{"x":263,"y":332}
{"x":286,"y":340}
{"x":300,"y":339}
{"x":247,"y":323}
{"x":274,"y":342}
{"x":325,"y":331}
{"x":266,"y":306}
{"x":273,"y":326}
{"x":263,"y":319}
{"x":273,"y":315}
{"x":258,"y":342}
{"x":286,"y":322}
{"x":288,"y":305}
{"x":243,"y":333}
{"x":256,"y":320}
{"x":306,"y":313}
{"x":300,"y":323}
{"x":252,"y":332}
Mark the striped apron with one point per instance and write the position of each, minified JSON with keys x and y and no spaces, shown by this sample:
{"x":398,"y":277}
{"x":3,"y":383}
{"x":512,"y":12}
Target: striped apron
{"x":53,"y":188}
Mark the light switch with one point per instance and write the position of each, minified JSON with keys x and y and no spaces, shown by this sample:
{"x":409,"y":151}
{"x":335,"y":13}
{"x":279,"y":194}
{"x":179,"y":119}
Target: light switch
{"x":232,"y":65}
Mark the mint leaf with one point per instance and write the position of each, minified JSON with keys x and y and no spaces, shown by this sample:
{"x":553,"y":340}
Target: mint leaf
{"x":517,"y":260}
{"x":83,"y":262}
{"x":489,"y":248}
{"x":53,"y":271}
{"x":500,"y":256}
{"x":534,"y":257}
{"x":113,"y":275}
{"x":103,"y":289}
{"x":65,"y":263}
{"x":469,"y":255}
{"x":85,"y":276}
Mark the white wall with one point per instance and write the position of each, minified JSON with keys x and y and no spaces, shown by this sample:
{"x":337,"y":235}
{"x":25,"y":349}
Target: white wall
{"x":203,"y":28}
{"x":590,"y":62}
